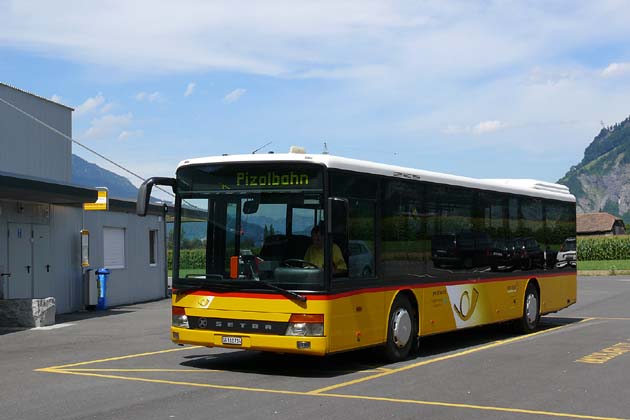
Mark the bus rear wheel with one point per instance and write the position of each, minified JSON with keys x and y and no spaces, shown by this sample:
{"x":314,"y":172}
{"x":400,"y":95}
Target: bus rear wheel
{"x":531,"y":310}
{"x":402,"y":330}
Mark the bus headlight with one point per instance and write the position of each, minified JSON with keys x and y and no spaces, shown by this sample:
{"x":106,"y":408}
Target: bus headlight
{"x":305,"y":325}
{"x":179,"y":317}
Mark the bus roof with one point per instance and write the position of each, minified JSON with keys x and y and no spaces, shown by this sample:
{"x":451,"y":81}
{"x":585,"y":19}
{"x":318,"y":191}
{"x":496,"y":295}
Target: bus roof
{"x":530,"y":187}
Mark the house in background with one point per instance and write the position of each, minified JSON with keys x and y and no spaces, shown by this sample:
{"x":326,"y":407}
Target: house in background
{"x":599,"y":224}
{"x":41,"y":216}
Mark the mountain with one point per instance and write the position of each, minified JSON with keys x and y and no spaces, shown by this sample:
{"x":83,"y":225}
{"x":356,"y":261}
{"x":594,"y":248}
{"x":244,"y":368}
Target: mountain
{"x":601,"y":181}
{"x":88,"y":174}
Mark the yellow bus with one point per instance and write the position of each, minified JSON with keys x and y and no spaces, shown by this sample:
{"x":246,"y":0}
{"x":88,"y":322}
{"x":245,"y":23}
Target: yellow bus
{"x":319,"y":254}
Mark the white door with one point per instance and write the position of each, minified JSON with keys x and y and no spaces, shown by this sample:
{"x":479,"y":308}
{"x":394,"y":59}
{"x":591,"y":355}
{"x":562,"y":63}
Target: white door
{"x":42,"y":264}
{"x":20,"y":284}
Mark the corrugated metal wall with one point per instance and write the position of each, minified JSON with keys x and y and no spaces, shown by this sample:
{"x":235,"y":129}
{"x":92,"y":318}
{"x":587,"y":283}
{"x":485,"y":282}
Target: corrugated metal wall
{"x":28,"y":148}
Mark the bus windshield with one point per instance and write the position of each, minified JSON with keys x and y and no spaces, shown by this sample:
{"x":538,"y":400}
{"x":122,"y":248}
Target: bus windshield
{"x":233,"y":234}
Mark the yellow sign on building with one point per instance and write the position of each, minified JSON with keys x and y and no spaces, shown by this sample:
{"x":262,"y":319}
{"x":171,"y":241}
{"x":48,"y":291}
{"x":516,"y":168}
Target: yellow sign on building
{"x":102,"y":202}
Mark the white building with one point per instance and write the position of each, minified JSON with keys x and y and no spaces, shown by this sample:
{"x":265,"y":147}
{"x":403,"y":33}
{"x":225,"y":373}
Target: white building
{"x":42,"y":215}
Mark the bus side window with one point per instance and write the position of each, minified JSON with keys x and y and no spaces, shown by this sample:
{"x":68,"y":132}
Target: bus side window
{"x":360,"y":251}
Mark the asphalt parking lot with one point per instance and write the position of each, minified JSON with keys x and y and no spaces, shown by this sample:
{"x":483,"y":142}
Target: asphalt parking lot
{"x":121,"y":364}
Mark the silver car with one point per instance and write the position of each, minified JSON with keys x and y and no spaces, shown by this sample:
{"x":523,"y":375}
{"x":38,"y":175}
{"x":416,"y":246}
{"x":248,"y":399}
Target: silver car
{"x":361,"y":258}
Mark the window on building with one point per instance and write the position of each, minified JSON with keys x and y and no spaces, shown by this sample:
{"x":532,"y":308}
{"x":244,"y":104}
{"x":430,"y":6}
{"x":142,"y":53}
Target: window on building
{"x":113,"y":247}
{"x":153,"y":240}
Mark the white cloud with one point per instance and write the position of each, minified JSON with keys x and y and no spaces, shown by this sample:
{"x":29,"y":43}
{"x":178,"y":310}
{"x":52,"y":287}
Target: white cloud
{"x":234,"y":96}
{"x":108,"y":126}
{"x":190,"y":89}
{"x":616,"y":69}
{"x":482,"y":127}
{"x":90,"y":105}
{"x":149,"y":97}
{"x":281,"y":38}
{"x":56,"y":98}
{"x":130,"y":134}
{"x":106,"y":108}
{"x":488,"y":127}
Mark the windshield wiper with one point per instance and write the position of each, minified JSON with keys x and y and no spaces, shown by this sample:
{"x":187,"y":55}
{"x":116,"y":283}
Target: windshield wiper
{"x":273,"y":286}
{"x":283,"y":291}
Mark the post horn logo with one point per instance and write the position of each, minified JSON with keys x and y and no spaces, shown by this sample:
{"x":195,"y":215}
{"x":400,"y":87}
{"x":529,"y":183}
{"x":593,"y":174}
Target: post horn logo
{"x":203,"y":302}
{"x":471,"y":304}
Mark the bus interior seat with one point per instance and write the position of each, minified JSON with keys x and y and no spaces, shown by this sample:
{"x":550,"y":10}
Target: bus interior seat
{"x":274,"y":247}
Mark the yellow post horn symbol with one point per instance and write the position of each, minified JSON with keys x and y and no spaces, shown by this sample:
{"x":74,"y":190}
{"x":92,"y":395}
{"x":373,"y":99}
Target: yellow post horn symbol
{"x":471,"y":307}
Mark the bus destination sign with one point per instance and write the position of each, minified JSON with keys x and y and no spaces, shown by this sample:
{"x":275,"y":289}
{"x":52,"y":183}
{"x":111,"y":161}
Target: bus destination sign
{"x":231,"y":177}
{"x":271,"y":179}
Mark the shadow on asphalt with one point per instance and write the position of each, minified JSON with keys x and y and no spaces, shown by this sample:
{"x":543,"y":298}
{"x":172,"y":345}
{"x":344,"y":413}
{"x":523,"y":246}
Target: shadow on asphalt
{"x":291,"y":365}
{"x":6,"y":330}
{"x":79,"y":316}
{"x":75,"y":316}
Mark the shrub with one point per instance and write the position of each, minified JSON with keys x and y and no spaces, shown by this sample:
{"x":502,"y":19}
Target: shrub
{"x":188,"y":258}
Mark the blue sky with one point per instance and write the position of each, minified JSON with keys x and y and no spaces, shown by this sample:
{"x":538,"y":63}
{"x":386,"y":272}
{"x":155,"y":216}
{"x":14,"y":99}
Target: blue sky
{"x":494,"y":89}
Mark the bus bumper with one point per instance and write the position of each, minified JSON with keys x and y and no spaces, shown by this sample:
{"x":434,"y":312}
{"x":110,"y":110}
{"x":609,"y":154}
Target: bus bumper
{"x":316,"y":346}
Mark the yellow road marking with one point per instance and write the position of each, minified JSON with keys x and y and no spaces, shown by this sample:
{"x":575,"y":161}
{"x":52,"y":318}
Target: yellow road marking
{"x":162,"y":381}
{"x":437,"y":359}
{"x":356,"y":397}
{"x":604,"y":355}
{"x":471,"y":406}
{"x":141,"y":370}
{"x":111,"y":359}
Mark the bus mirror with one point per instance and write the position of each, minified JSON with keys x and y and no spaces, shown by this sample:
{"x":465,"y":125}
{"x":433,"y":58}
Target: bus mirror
{"x":250,"y":207}
{"x":144,"y":192}
{"x":338,"y":216}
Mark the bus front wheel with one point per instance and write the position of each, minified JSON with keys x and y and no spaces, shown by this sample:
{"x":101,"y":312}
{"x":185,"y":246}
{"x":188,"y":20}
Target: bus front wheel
{"x":402,"y":330}
{"x":531,"y":310}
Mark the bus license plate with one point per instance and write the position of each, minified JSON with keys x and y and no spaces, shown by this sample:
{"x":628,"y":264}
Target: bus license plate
{"x":234,"y":341}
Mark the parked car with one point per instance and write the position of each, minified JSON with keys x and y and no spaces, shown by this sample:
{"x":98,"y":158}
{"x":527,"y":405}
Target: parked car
{"x":529,"y":254}
{"x":567,"y":254}
{"x":461,"y":250}
{"x":361,"y":259}
{"x":503,"y":255}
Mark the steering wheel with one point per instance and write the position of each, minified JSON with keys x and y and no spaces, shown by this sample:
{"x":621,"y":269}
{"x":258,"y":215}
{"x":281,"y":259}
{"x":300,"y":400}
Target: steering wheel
{"x":297,"y":263}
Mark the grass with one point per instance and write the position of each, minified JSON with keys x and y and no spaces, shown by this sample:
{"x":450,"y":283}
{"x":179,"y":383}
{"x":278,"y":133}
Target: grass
{"x":184,"y":271}
{"x":608,"y":265}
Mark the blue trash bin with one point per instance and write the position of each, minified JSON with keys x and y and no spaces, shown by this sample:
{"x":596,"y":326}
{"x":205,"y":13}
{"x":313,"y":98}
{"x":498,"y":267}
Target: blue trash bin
{"x":101,"y":283}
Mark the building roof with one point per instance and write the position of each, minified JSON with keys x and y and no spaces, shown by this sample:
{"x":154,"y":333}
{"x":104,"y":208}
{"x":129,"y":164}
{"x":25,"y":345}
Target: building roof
{"x":23,"y":188}
{"x":595,"y":222}
{"x":529,"y":187}
{"x":36,"y":96}
{"x":26,"y":188}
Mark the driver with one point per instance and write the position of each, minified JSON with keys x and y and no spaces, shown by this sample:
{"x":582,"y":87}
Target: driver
{"x":315,"y":253}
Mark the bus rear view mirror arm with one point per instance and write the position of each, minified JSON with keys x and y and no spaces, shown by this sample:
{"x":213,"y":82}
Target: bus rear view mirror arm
{"x":144,"y":192}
